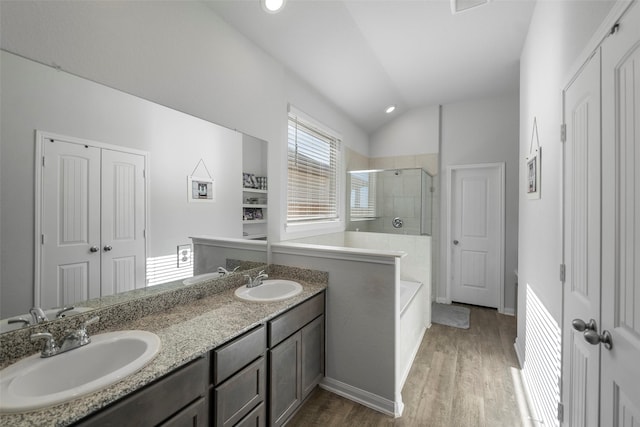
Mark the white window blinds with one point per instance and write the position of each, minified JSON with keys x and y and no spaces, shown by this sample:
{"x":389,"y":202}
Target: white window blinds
{"x":363,"y":195}
{"x":313,"y":165}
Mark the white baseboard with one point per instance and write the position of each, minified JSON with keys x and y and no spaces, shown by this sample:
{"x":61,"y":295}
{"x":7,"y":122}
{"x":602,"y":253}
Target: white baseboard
{"x":363,"y":397}
{"x":519,"y":355}
{"x":442,"y":300}
{"x":509,"y":311}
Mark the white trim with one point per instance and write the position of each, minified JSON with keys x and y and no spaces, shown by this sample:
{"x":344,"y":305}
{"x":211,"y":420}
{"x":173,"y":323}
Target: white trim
{"x":363,"y":397}
{"x":231,"y":243}
{"x":40,"y":138}
{"x":337,"y":252}
{"x":615,"y":14}
{"x":501,"y":226}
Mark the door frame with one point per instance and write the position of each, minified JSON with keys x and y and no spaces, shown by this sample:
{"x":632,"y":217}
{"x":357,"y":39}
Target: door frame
{"x":500,"y":166}
{"x":41,"y":137}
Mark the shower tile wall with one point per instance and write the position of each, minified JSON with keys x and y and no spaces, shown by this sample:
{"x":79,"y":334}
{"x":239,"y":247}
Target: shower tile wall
{"x":400,"y":192}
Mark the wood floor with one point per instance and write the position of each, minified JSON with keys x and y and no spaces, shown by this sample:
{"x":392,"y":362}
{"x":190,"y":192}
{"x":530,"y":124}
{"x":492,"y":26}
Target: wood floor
{"x":460,"y":377}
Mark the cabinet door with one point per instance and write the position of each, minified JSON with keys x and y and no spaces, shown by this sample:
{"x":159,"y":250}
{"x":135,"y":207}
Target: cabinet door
{"x":285,"y":388}
{"x":312,"y":346}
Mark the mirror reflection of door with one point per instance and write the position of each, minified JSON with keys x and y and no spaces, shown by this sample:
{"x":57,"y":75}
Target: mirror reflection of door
{"x":92,"y":222}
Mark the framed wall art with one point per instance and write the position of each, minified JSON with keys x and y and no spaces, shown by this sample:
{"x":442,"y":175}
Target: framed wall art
{"x":533,"y":166}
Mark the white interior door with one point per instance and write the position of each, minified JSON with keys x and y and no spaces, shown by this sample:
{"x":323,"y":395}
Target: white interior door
{"x":92,"y":222}
{"x":582,"y":199}
{"x":476,"y":235}
{"x":123,"y":219}
{"x":620,"y":376}
{"x":70,"y":218}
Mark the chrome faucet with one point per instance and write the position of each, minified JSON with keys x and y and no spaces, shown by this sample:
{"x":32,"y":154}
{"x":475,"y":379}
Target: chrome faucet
{"x":223,"y":271}
{"x":73,"y":339}
{"x":38,"y":316}
{"x":257,"y":281}
{"x":63,"y":310}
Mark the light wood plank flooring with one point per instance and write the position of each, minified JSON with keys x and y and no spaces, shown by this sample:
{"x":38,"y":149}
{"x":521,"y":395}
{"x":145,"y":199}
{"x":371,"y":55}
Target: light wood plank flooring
{"x":460,"y":377}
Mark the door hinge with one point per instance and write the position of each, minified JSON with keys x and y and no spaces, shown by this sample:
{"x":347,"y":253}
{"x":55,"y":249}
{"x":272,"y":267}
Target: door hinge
{"x":563,"y":132}
{"x":560,"y":412}
{"x":44,"y":162}
{"x":42,"y":239}
{"x":563,"y":269}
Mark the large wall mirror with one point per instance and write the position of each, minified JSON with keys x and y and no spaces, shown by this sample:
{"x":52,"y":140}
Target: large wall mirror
{"x":192,"y":185}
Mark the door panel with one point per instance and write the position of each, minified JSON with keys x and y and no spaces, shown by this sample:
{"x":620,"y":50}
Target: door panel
{"x":123,"y":219}
{"x":620,"y":376}
{"x":475,"y":229}
{"x":70,"y":271}
{"x":582,"y":195}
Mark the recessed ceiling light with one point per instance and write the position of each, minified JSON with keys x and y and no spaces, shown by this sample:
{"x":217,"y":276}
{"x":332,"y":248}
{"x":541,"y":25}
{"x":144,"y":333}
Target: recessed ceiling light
{"x":390,"y":109}
{"x":272,"y":6}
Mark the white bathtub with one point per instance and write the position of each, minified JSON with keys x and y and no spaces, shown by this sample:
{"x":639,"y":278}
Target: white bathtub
{"x":413,"y":323}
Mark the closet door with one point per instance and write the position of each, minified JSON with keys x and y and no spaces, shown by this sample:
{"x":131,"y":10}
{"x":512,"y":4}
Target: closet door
{"x":123,"y":219}
{"x":70,"y":224}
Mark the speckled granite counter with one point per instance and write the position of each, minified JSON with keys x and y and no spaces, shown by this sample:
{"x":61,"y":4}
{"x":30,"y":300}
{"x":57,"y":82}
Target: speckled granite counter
{"x":187,"y":331}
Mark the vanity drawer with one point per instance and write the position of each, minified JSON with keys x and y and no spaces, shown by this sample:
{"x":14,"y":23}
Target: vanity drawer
{"x":237,"y":354}
{"x":158,"y":401}
{"x":239,"y":395}
{"x":255,"y":418}
{"x":288,"y":323}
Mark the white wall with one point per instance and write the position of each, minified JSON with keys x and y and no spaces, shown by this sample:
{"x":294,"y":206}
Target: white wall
{"x":38,"y":97}
{"x":179,"y":54}
{"x":558,"y":33}
{"x":483,"y":131}
{"x":414,"y":132}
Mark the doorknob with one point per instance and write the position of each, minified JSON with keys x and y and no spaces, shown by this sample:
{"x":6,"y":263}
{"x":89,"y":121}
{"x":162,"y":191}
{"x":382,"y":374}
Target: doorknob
{"x":455,"y":242}
{"x":94,"y":249}
{"x":580,"y":325}
{"x":594,"y":338}
{"x":107,"y":248}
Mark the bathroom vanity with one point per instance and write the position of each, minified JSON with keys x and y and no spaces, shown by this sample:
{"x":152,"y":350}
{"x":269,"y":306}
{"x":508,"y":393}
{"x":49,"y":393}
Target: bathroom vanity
{"x":223,"y":362}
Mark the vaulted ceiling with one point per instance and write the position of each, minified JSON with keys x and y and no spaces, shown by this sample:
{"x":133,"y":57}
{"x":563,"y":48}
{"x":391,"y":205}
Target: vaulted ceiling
{"x":367,"y":54}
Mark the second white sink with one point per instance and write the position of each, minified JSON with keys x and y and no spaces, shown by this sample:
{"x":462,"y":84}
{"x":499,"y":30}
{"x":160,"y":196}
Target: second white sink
{"x":270,"y":290}
{"x":36,"y":382}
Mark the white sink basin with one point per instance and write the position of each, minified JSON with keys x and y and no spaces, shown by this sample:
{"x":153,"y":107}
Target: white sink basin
{"x":200,"y":278}
{"x":5,"y":326}
{"x":270,"y":290}
{"x":36,"y":382}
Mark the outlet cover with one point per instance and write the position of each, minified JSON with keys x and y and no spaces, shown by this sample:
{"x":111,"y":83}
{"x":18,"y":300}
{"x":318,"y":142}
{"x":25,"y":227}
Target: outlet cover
{"x":184,"y":255}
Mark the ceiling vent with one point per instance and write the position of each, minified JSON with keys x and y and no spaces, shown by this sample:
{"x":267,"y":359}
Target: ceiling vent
{"x":458,"y":6}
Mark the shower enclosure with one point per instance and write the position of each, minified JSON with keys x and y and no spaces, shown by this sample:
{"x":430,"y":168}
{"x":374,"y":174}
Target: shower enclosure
{"x":398,"y":201}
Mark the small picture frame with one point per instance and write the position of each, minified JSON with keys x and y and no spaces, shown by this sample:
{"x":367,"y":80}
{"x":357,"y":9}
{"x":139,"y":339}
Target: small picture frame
{"x":257,"y":213}
{"x":200,"y":189}
{"x":249,"y":180}
{"x":533,"y":170}
{"x":247,"y":214}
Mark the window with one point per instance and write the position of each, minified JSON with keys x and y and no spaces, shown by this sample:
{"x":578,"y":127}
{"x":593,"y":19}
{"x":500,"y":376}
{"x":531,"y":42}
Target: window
{"x":363,"y":195}
{"x":313,"y":166}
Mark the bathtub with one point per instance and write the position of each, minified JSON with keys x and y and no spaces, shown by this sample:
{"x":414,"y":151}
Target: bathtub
{"x":413,"y":323}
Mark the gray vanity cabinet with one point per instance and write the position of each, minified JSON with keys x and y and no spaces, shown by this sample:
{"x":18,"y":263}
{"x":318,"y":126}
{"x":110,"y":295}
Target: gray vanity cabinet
{"x":296,"y":357}
{"x":177,"y":399}
{"x":239,"y":379}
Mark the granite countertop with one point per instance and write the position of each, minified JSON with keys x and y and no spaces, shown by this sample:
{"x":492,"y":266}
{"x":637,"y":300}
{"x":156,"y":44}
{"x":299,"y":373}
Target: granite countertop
{"x":187,"y":331}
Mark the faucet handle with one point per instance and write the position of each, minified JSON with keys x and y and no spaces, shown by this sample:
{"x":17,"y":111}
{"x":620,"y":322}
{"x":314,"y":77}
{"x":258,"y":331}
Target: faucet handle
{"x":249,"y":279}
{"x":81,"y":335}
{"x":63,"y":310}
{"x":38,"y":315}
{"x":50,"y":348}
